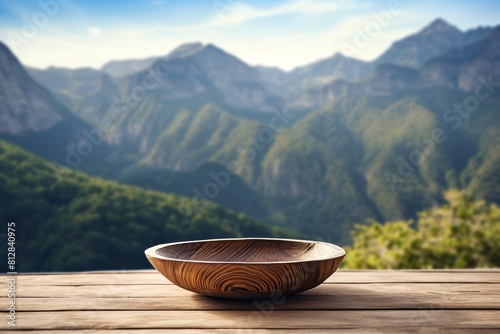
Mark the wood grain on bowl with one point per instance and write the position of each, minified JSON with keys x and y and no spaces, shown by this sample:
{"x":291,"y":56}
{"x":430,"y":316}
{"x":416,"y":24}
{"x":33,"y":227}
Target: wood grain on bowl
{"x":246,"y":268}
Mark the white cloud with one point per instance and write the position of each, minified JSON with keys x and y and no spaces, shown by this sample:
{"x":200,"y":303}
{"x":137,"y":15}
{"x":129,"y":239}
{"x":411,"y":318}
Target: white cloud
{"x":233,"y":12}
{"x":241,"y":13}
{"x":94,"y":31}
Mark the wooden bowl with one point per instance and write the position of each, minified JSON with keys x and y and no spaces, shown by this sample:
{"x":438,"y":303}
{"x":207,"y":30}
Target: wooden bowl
{"x":247,"y":268}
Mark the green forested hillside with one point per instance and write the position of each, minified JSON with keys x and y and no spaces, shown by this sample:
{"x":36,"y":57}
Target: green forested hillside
{"x":86,"y":223}
{"x":232,"y":191}
{"x":192,"y":137}
{"x":341,"y":165}
{"x":309,"y":173}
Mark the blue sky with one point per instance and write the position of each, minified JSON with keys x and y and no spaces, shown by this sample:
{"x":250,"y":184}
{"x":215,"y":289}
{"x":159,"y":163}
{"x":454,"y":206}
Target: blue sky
{"x":286,"y":33}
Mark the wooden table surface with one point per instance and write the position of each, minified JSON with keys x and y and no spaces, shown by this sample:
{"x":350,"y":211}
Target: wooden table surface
{"x":349,"y":302}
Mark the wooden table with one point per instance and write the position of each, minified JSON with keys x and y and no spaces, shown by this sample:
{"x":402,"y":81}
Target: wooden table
{"x":349,"y":302}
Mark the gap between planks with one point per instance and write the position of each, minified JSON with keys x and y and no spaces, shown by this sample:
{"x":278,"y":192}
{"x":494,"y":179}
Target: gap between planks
{"x":341,"y":277}
{"x":170,"y":290}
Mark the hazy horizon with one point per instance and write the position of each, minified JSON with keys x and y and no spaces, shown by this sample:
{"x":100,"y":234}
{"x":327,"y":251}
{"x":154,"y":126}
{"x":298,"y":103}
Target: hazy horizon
{"x":284,"y":34}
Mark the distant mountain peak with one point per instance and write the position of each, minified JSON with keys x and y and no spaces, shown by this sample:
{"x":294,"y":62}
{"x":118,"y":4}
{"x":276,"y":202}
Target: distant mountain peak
{"x":439,"y":22}
{"x":431,"y":41}
{"x":211,"y":53}
{"x":197,"y":49}
{"x":212,"y":48}
{"x":338,"y":55}
{"x":185,"y":49}
{"x":439,"y":25}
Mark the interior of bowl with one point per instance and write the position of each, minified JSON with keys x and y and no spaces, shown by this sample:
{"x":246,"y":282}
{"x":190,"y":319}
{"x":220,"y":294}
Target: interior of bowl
{"x":250,"y":250}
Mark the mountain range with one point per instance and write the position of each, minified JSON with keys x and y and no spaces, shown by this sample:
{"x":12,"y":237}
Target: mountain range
{"x":457,"y":68}
{"x":316,"y":149}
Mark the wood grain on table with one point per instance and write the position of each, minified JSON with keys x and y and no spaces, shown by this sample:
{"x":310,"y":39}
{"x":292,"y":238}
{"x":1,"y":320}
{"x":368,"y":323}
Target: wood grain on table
{"x":349,"y":301}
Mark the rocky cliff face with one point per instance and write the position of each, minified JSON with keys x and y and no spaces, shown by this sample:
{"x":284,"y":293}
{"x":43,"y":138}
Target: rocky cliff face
{"x":31,"y":117}
{"x":483,"y":63}
{"x":25,"y":106}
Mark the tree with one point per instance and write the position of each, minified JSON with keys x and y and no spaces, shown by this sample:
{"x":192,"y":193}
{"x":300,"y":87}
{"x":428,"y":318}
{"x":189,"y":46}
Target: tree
{"x":464,"y":233}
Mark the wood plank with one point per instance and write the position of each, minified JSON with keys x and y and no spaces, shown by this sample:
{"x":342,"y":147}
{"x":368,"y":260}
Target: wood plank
{"x":375,"y":290}
{"x":94,"y":278}
{"x":305,"y":303}
{"x":417,"y":319}
{"x":326,"y":297}
{"x":407,"y":302}
{"x":416,"y":276}
{"x":270,"y":331}
{"x":152,"y":277}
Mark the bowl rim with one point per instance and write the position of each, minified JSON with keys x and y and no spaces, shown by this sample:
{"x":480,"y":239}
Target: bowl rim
{"x":152,"y":251}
